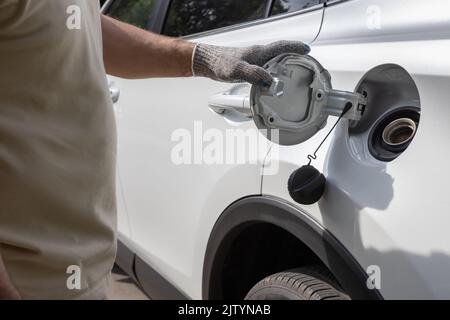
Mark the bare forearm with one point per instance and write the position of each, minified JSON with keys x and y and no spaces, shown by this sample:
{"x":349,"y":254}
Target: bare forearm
{"x":132,"y":53}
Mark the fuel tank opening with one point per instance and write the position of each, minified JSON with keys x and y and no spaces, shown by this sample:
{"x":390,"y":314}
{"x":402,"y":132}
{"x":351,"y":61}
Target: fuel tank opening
{"x":393,"y":133}
{"x":398,"y":134}
{"x":391,"y":120}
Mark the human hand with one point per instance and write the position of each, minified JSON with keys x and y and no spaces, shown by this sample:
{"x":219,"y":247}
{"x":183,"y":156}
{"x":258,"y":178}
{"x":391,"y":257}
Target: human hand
{"x":241,"y":64}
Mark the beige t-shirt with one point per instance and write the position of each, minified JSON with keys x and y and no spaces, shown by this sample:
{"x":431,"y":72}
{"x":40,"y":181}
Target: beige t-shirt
{"x":57,"y":150}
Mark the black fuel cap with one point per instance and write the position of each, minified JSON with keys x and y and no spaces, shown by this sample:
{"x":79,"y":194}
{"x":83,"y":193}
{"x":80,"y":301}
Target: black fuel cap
{"x":306,"y":185}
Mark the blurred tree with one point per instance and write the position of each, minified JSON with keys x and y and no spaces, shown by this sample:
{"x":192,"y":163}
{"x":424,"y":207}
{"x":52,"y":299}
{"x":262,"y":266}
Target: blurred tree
{"x":192,"y":16}
{"x":284,"y":6}
{"x":135,"y":12}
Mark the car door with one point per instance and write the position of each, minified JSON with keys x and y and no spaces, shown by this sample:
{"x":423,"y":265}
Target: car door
{"x":172,"y":205}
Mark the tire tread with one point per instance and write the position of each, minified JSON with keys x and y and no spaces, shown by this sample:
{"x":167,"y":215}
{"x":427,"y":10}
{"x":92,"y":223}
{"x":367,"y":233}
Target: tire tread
{"x":311,"y":283}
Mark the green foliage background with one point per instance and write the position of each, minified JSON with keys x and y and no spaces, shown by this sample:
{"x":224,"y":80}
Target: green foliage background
{"x":135,"y":12}
{"x":192,"y":16}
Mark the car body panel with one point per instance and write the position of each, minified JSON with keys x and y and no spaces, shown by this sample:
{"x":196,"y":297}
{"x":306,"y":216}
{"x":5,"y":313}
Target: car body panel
{"x":391,"y":215}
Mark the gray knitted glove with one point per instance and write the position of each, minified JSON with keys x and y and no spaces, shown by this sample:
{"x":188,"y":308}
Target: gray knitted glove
{"x":241,"y":64}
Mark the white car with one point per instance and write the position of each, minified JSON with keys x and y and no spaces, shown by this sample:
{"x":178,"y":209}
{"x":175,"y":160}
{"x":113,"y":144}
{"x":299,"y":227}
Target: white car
{"x":211,"y":230}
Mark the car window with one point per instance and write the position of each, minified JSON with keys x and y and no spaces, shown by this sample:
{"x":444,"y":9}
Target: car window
{"x":192,"y":16}
{"x":285,"y":6}
{"x":135,"y":12}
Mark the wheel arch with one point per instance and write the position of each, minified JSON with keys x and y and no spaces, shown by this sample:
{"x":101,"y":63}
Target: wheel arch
{"x":266,"y":209}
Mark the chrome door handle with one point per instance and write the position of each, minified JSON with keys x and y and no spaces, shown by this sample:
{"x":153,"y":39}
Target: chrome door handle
{"x":233,"y":104}
{"x":114,"y":92}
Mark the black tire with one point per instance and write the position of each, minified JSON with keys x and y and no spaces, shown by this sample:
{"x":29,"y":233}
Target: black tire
{"x":299,"y":284}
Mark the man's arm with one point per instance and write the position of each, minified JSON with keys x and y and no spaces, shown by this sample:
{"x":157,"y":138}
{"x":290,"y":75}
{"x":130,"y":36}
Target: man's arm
{"x":132,"y":53}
